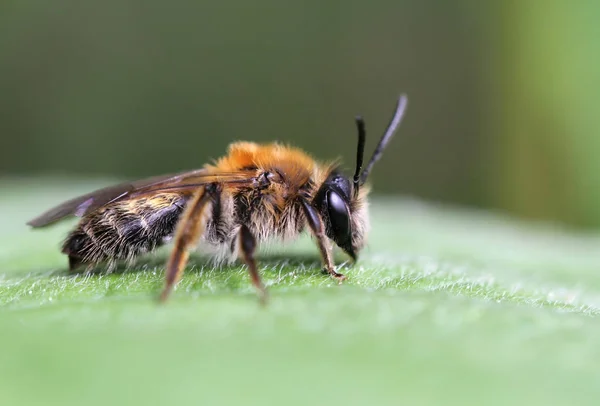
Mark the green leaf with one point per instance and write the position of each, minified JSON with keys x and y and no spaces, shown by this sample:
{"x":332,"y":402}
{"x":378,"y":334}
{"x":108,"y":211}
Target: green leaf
{"x":446,"y":306}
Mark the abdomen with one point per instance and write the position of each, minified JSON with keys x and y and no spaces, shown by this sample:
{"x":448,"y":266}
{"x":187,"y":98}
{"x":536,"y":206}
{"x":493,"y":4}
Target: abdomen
{"x":124,"y":230}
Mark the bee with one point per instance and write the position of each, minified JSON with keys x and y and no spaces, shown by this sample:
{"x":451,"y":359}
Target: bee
{"x":254,"y":194}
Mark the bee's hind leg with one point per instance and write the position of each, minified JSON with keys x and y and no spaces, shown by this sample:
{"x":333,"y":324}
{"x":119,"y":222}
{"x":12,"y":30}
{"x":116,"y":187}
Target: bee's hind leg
{"x":247,"y":243}
{"x":189,"y":229}
{"x":74,"y":263}
{"x":79,"y":265}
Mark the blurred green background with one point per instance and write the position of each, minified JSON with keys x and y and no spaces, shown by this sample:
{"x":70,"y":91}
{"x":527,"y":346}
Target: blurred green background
{"x":445,"y":306}
{"x":503,"y":95}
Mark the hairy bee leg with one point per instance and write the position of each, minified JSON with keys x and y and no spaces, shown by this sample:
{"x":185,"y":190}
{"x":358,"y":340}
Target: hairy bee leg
{"x":189,"y":229}
{"x":74,"y":263}
{"x":247,"y":243}
{"x":316,"y":227}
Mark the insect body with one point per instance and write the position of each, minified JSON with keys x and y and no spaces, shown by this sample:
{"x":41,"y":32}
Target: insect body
{"x":253,"y":194}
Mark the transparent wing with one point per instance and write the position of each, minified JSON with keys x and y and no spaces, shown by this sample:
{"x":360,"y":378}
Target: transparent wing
{"x":183,"y":182}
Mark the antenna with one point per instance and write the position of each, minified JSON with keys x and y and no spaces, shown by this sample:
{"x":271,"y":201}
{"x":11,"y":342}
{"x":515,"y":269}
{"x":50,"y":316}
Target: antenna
{"x":360,"y":152}
{"x":385,"y":139}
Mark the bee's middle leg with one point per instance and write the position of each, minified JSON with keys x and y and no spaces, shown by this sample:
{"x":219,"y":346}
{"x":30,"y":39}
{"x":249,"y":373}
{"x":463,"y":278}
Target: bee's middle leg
{"x":247,"y":243}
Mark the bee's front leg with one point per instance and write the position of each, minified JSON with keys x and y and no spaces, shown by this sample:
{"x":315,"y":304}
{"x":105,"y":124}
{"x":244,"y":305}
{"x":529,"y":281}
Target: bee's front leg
{"x":315,"y":224}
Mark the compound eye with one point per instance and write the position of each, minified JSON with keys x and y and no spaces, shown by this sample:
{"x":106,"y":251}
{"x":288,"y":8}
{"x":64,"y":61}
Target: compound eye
{"x":339,"y":216}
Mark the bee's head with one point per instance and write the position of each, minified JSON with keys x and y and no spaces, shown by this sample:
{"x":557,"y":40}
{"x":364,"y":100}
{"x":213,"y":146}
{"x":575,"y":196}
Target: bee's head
{"x":342,"y":200}
{"x":344,"y":214}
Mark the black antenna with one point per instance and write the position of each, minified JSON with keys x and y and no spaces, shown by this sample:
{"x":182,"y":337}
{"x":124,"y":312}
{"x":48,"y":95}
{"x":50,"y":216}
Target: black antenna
{"x":387,"y":136}
{"x":360,"y":152}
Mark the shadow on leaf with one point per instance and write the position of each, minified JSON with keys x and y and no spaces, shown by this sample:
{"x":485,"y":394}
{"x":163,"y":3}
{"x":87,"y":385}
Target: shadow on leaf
{"x":304,"y":263}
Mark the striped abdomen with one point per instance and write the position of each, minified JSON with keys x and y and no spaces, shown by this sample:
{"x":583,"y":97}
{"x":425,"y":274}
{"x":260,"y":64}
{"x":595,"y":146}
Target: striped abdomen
{"x":123,"y":230}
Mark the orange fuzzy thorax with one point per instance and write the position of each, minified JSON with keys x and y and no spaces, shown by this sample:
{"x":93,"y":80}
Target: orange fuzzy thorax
{"x":246,"y":154}
{"x":293,"y":163}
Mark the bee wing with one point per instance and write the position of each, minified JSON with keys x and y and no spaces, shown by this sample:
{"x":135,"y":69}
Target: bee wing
{"x":183,"y":182}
